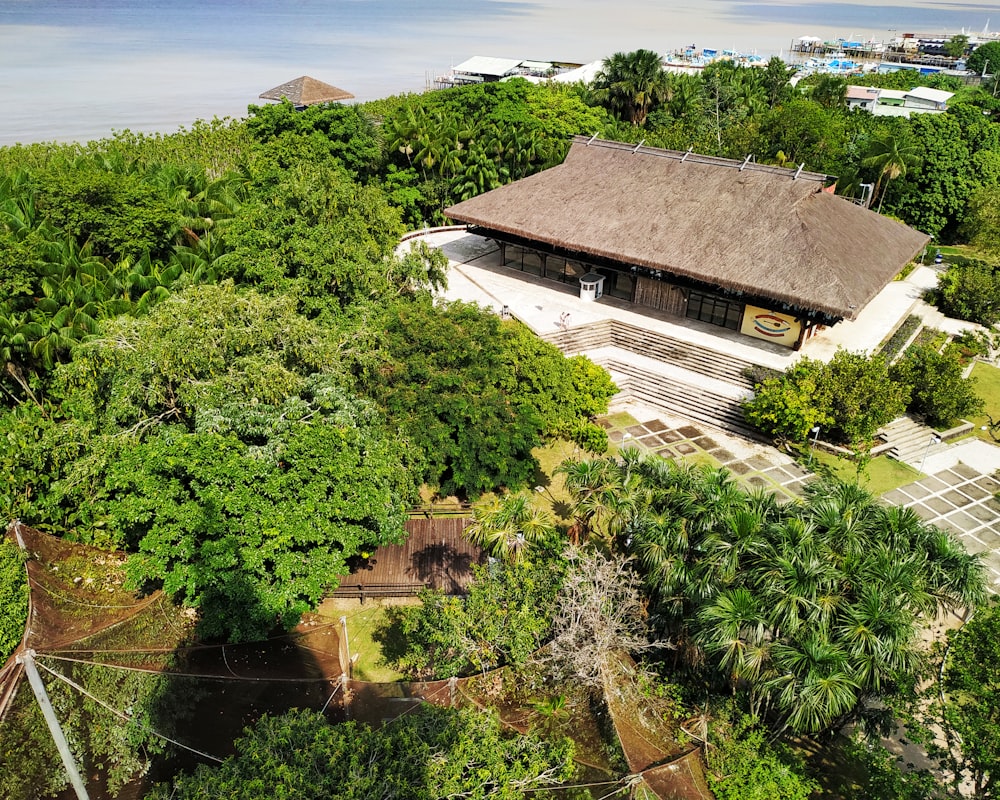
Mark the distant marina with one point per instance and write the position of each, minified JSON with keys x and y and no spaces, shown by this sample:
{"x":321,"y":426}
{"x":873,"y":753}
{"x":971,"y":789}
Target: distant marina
{"x":811,"y":54}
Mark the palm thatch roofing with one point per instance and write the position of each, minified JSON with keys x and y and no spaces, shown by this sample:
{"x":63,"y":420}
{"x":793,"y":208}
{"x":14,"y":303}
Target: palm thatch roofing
{"x":764,"y":231}
{"x":306,"y":91}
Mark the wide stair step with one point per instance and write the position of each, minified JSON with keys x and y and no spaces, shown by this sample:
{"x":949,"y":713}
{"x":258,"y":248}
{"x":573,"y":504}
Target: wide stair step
{"x":911,"y":442}
{"x":659,"y":347}
{"x":679,"y":399}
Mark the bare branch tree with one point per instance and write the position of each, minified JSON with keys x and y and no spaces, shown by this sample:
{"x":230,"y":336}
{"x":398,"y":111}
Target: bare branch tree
{"x":600,"y":612}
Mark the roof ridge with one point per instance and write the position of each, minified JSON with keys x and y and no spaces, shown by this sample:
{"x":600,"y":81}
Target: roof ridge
{"x":796,"y":173}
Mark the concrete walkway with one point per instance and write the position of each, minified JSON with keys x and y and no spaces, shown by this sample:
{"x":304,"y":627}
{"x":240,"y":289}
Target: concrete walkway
{"x":477,"y":276}
{"x":957,"y":494}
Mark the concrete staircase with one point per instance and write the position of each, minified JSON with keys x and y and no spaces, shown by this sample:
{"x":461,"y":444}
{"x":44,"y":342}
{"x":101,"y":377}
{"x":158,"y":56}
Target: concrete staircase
{"x":911,"y":441}
{"x":679,"y":399}
{"x":683,"y":379}
{"x":657,"y":346}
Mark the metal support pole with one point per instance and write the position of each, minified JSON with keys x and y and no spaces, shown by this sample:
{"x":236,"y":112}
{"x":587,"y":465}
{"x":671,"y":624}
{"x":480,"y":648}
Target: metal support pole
{"x":347,"y":646}
{"x":27,"y":659}
{"x":933,"y":440}
{"x":812,"y":450}
{"x":345,"y":690}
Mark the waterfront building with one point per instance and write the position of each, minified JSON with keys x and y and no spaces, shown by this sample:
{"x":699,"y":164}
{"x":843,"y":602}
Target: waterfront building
{"x":487,"y":69}
{"x":767,"y":251}
{"x":898,"y":102}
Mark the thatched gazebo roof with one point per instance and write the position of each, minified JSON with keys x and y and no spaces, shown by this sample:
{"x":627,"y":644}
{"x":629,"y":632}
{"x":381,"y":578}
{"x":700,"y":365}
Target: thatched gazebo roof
{"x":306,"y":91}
{"x":764,"y":231}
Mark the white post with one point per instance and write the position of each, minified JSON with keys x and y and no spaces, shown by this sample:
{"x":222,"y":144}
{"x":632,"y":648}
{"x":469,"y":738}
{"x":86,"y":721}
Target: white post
{"x":815,"y":432}
{"x":347,"y":646}
{"x":27,"y":659}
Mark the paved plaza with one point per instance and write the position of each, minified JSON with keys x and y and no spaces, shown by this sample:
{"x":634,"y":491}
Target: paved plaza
{"x":963,"y":501}
{"x":959,"y":498}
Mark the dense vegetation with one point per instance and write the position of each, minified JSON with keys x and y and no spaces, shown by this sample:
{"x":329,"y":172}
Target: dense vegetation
{"x":431,"y":754}
{"x":852,"y":396}
{"x":13,"y":598}
{"x":215,"y":359}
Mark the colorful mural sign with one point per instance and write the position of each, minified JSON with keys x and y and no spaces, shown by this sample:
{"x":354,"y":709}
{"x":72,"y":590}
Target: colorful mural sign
{"x":770,"y":325}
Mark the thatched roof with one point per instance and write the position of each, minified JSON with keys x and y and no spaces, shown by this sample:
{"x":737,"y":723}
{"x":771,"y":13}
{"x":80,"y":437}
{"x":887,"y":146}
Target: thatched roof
{"x":764,"y":231}
{"x":306,"y":91}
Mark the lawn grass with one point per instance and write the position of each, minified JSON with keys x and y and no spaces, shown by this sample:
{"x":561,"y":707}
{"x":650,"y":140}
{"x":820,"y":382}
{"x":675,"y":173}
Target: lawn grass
{"x":957,"y":254}
{"x":881,"y":475}
{"x":554,"y":496}
{"x":988,"y":388}
{"x":621,"y":420}
{"x":362,"y":620}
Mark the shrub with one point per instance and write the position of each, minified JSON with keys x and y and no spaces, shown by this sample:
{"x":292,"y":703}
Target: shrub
{"x":937,"y":389}
{"x":892,"y":346}
{"x":970,"y":291}
{"x":13,"y":598}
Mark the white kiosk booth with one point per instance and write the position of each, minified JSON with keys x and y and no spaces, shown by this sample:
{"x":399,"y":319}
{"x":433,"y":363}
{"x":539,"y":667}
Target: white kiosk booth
{"x":591,"y":286}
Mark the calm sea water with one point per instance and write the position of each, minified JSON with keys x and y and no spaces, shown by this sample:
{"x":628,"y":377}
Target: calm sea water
{"x":79,"y":69}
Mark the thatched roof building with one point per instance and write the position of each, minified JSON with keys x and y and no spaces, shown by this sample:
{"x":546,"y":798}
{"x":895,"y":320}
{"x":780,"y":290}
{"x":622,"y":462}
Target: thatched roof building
{"x":306,"y":91}
{"x":767,"y":235}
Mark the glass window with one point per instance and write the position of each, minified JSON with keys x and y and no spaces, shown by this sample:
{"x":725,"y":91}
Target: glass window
{"x":714,"y":310}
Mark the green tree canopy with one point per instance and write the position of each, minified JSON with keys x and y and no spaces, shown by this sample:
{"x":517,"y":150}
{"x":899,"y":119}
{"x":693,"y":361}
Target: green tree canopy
{"x":474,"y":393}
{"x":504,"y":619}
{"x":984,"y":59}
{"x":631,"y":84}
{"x":431,"y":754}
{"x":971,"y":711}
{"x":13,"y":597}
{"x":812,"y":608}
{"x":938,"y":390}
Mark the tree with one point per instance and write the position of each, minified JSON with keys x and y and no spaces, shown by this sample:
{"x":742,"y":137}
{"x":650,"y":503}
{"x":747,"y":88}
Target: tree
{"x":505,"y":617}
{"x":970,"y":290}
{"x":790,"y":405}
{"x":631,"y":84}
{"x":431,"y":754}
{"x":777,"y":75}
{"x":934,"y":195}
{"x":862,"y":397}
{"x":599,"y":614}
{"x":970,"y":713}
{"x":507,"y":527}
{"x":806,"y":133}
{"x":473,"y":393}
{"x":811,"y":609}
{"x":850,"y":397}
{"x":981,"y":226}
{"x":830,"y":91}
{"x":110,"y":208}
{"x":985,"y":55}
{"x":956,"y":46}
{"x":254,"y":535}
{"x":938,"y":390}
{"x":743,"y":765}
{"x":891,"y":156}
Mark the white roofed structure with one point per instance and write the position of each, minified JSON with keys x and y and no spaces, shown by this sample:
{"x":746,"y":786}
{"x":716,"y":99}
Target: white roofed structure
{"x":584,"y":74}
{"x":925,"y":96}
{"x":486,"y":68}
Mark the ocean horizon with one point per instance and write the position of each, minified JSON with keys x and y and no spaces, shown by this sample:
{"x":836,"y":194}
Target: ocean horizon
{"x":82,"y":69}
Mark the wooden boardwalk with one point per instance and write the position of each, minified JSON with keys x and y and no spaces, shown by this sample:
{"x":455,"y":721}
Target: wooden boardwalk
{"x":434,"y":555}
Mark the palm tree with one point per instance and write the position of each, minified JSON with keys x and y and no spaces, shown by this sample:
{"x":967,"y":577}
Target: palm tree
{"x":892,"y":156}
{"x":506,"y":527}
{"x":830,"y":92}
{"x":631,"y":84}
